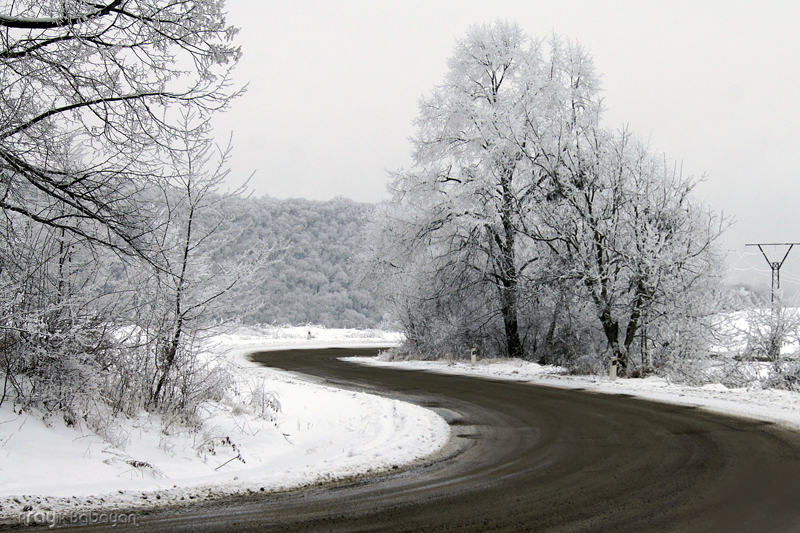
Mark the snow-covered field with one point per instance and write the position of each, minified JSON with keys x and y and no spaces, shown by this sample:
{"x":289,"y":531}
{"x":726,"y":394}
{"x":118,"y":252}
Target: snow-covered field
{"x":50,"y":472}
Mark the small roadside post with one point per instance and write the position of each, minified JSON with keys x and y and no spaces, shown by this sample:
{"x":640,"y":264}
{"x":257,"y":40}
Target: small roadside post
{"x":473,"y":354}
{"x":612,"y":371}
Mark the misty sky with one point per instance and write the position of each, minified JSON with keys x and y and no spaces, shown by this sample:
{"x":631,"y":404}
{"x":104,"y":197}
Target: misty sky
{"x":714,"y":85}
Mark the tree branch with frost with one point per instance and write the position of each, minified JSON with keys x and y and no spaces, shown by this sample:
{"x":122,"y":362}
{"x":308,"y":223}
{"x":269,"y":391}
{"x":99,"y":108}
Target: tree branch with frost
{"x":106,"y":79}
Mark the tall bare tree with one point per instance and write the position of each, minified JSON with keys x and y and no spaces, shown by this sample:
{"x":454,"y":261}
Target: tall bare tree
{"x":195,"y":225}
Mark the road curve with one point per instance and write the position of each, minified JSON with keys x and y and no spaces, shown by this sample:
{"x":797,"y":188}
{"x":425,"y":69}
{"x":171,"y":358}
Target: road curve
{"x":533,"y":458}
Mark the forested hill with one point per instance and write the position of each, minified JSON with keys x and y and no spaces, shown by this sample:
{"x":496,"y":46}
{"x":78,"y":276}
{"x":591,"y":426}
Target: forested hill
{"x":313,"y":279}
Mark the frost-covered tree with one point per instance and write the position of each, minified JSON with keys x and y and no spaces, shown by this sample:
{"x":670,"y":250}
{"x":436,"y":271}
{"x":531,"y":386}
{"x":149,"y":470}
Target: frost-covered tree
{"x":520,"y":205}
{"x":625,"y":226}
{"x":91,"y":96}
{"x":102,"y":79}
{"x":483,"y":141}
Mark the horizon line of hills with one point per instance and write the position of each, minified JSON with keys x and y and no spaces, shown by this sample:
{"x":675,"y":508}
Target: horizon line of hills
{"x":315,"y":279}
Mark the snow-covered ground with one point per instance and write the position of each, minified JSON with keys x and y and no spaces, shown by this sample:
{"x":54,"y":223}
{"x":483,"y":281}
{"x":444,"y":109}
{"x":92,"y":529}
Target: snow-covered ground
{"x":53,"y":473}
{"x":319,"y":433}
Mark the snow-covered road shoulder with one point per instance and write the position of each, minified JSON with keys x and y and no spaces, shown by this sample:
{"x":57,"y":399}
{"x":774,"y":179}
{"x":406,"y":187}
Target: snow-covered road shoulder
{"x":769,"y":405}
{"x":296,"y":434}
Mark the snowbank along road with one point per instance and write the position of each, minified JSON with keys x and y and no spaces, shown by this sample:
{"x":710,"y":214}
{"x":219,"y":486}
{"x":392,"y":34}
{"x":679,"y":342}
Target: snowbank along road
{"x":533,"y":458}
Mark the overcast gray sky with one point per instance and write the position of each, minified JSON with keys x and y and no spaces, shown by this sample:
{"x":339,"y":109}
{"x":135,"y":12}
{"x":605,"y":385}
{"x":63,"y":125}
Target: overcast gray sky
{"x":714,"y":85}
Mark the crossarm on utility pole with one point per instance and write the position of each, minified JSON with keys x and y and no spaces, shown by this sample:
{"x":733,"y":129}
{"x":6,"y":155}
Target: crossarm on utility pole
{"x":775,"y":266}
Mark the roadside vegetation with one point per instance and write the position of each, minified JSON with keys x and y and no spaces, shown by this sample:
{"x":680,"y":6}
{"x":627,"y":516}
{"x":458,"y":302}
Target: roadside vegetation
{"x":111,"y":209}
{"x":121,"y":246}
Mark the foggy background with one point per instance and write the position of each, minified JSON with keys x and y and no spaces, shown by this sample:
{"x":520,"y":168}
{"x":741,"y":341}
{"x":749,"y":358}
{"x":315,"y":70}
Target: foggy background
{"x":333,"y":90}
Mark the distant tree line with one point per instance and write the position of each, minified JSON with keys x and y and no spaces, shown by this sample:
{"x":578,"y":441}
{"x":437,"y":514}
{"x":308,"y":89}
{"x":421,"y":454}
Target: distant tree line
{"x":313,"y":277}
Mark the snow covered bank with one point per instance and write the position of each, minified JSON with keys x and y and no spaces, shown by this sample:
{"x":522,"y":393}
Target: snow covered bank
{"x":243,"y":444}
{"x":778,"y":406}
{"x":246,"y":444}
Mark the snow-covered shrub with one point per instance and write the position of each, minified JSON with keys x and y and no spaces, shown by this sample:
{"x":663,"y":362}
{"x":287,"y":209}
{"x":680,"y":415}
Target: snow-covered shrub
{"x":264,"y":403}
{"x":576,"y":347}
{"x":785,"y":375}
{"x":759,"y":344}
{"x":50,"y":361}
{"x":191,"y":380}
{"x":771,"y":333}
{"x":212,"y":443}
{"x":103,"y":422}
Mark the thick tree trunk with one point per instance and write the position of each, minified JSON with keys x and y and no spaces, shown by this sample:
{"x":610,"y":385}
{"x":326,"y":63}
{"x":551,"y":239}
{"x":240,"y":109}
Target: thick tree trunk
{"x":508,"y":298}
{"x":551,"y":330}
{"x":618,"y":349}
{"x":636,"y":314}
{"x":508,"y":269}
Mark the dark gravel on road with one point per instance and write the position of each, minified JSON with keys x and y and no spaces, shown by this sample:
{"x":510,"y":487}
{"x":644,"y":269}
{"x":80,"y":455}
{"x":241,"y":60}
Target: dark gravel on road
{"x":531,"y":458}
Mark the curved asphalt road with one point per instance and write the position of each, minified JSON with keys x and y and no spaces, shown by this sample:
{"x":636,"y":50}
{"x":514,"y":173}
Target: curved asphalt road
{"x":532,"y":458}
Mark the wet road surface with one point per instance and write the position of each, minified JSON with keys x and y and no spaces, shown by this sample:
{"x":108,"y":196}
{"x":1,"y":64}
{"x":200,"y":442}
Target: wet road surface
{"x":533,"y":458}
